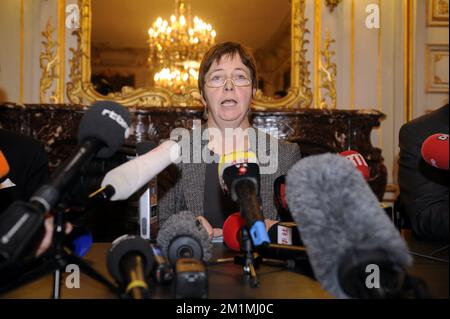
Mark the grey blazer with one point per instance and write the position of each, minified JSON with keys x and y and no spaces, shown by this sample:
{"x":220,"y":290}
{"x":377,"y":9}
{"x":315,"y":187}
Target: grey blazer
{"x":181,"y":186}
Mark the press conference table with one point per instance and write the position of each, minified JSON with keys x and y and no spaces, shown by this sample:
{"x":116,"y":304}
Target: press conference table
{"x":227,"y":280}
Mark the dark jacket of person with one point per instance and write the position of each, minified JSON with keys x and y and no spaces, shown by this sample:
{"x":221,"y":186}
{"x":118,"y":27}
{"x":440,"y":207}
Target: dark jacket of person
{"x":28,"y":165}
{"x":423,"y":188}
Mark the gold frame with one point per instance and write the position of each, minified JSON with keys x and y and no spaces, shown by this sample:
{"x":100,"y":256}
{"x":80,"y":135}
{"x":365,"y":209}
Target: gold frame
{"x":48,"y":61}
{"x":434,"y":18}
{"x":433,"y":84}
{"x":81,"y":91}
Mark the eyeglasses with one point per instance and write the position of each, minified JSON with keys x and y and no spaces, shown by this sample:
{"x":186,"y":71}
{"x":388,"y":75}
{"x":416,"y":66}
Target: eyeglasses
{"x":218,"y":81}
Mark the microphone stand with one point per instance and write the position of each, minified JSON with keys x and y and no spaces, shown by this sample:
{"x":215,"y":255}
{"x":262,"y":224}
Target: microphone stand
{"x":248,"y":260}
{"x":59,"y":259}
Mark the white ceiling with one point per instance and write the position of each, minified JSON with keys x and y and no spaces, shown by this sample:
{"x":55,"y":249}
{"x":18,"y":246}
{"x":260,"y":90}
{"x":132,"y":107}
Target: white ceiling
{"x":124,"y":24}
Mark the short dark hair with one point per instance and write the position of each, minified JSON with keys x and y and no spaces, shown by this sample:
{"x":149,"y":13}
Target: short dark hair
{"x":219,"y":50}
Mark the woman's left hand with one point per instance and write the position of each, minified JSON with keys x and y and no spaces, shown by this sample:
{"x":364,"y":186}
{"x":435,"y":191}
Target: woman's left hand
{"x":46,"y":242}
{"x":212,"y":232}
{"x":269,"y":223}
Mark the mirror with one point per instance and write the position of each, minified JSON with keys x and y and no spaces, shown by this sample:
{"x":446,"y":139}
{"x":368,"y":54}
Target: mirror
{"x":116,"y":59}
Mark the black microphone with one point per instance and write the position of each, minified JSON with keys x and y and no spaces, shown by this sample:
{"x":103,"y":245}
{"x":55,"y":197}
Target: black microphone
{"x":285,"y":233}
{"x":101,"y":195}
{"x":130,"y":261}
{"x":279,"y":191}
{"x":163,"y":271}
{"x":282,"y":252}
{"x":183,"y":236}
{"x":243,"y":181}
{"x":21,"y":231}
{"x":353,"y":247}
{"x":102,"y":129}
{"x":95,"y":199}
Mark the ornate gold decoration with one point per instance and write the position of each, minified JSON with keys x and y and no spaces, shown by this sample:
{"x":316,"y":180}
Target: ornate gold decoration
{"x":61,"y":50}
{"x":436,"y":68}
{"x":81,"y":91}
{"x":352,"y":56}
{"x":74,"y":89}
{"x":408,"y":59}
{"x":328,"y":73}
{"x":317,"y":47}
{"x":443,"y":7}
{"x":22,"y":48}
{"x":48,"y":62}
{"x":177,"y":48}
{"x":331,"y":4}
{"x":437,"y":13}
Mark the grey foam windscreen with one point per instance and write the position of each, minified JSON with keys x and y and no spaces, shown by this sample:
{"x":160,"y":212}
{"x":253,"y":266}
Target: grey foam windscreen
{"x":338,"y":215}
{"x":182,"y":232}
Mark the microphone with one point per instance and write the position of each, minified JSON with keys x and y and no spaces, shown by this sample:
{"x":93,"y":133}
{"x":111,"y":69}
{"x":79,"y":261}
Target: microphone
{"x":130,"y":261}
{"x":358,"y":161}
{"x":102,"y":194}
{"x":145,"y":210}
{"x":162,"y":272}
{"x":434,"y":150}
{"x":231,"y":231}
{"x":129,"y":177}
{"x":103,"y":129}
{"x":239,"y":175}
{"x":344,"y":229}
{"x":285,"y":233}
{"x":4,"y":166}
{"x":96,"y":198}
{"x":279,"y":190}
{"x":232,"y":239}
{"x":183,"y":236}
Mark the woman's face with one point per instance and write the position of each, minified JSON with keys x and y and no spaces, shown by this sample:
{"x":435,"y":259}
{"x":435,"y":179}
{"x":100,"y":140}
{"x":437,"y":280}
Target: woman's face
{"x":228,"y":104}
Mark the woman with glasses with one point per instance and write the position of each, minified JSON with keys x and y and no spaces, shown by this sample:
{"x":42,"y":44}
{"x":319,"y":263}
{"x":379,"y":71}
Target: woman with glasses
{"x":227,"y":83}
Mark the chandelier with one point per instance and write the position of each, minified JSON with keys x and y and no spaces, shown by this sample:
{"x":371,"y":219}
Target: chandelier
{"x":177,"y":47}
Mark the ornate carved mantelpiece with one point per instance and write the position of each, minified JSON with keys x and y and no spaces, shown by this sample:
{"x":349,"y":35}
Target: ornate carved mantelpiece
{"x":316,"y":131}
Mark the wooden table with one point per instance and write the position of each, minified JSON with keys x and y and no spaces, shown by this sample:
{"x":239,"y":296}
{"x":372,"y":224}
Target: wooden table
{"x":226,"y":280}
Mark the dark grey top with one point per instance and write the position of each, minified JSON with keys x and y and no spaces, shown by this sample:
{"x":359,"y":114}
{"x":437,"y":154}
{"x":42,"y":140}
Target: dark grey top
{"x":217,"y":205}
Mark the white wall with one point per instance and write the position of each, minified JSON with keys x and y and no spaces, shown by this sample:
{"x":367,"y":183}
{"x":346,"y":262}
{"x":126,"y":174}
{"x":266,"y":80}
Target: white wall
{"x":10,"y":51}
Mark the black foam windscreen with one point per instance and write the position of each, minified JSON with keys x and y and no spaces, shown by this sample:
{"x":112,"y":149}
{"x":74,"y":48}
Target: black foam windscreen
{"x":239,"y":172}
{"x":125,"y":246}
{"x":108,"y":122}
